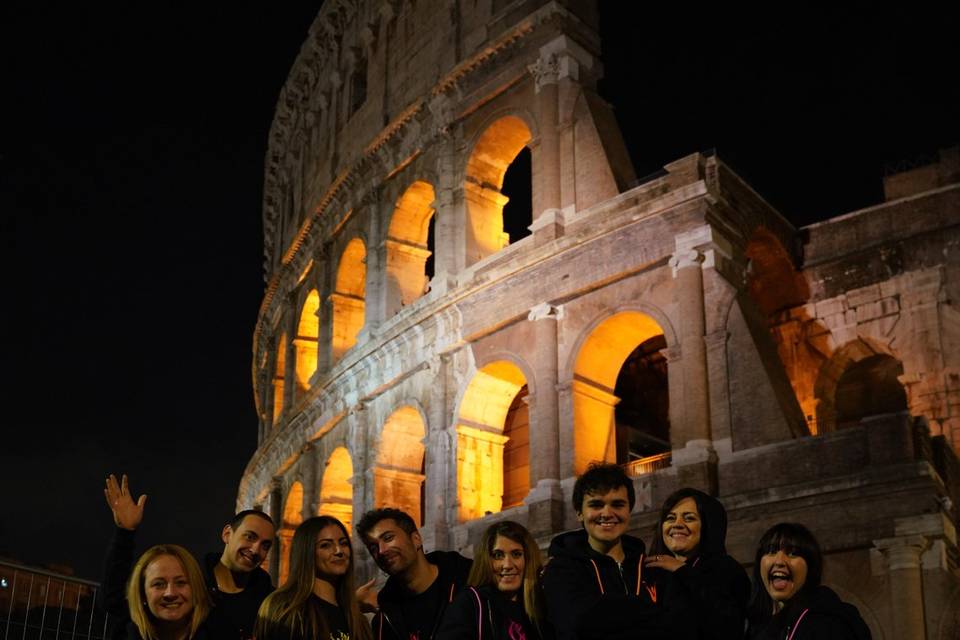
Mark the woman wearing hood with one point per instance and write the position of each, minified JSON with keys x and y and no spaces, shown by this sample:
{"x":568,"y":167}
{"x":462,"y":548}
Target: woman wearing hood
{"x":788,"y":601}
{"x":701,"y":589}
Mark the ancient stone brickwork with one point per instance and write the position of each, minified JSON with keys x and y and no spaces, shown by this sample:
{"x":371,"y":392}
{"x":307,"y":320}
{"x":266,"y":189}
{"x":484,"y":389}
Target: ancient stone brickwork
{"x":408,"y":354}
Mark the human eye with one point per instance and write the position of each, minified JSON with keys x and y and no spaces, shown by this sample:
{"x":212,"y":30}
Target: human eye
{"x":690,"y":517}
{"x":517,"y":553}
{"x":182,"y":582}
{"x":250,"y":535}
{"x":670,"y":518}
{"x":157,"y":584}
{"x":497,"y":554}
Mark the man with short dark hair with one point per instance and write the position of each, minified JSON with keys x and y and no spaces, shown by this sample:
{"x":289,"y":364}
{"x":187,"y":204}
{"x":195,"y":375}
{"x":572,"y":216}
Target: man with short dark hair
{"x":234,"y":578}
{"x":420,"y":586}
{"x":594,"y":581}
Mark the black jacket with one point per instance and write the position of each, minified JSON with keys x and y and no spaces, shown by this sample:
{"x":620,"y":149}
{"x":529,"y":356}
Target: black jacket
{"x":707,"y":598}
{"x":482,"y":613}
{"x":231,"y":617}
{"x":820,"y":616}
{"x":389,"y":623}
{"x":590,"y":595}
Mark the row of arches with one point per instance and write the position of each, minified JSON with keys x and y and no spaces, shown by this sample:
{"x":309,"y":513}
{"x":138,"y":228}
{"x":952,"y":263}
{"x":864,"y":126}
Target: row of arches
{"x":498,"y":200}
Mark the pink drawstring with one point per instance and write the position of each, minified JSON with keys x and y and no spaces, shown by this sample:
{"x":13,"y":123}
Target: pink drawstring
{"x":797,"y":623}
{"x":479,"y":614}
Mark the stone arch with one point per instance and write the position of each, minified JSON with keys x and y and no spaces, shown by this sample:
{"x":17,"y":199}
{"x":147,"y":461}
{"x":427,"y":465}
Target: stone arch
{"x":279,"y":371}
{"x":493,"y":151}
{"x":858,"y":380}
{"x":599,"y":359}
{"x":406,"y":246}
{"x":292,"y":517}
{"x":348,"y":297}
{"x":336,"y":488}
{"x":398,"y":474}
{"x":773,"y":283}
{"x":305,"y":343}
{"x":481,"y":417}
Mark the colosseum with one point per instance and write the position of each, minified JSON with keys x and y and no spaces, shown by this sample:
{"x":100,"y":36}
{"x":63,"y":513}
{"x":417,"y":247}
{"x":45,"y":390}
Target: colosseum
{"x":436,"y":338}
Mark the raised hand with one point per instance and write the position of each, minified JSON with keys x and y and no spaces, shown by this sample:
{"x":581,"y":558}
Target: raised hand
{"x":367,"y":597}
{"x":127,"y":514}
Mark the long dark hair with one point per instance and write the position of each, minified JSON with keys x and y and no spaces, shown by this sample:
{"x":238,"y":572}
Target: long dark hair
{"x":792,"y":538}
{"x":713,"y":523}
{"x":286,"y":612}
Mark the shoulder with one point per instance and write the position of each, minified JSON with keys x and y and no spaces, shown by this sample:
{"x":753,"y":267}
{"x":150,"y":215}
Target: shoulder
{"x":826,"y":611}
{"x":453,"y":566}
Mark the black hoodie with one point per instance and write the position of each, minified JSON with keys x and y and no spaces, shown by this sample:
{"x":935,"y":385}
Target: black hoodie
{"x":389,"y":622}
{"x":590,"y":595}
{"x":820,"y":616}
{"x":707,"y":597}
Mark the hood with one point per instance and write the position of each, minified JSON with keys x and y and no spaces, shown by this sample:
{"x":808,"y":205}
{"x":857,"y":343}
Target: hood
{"x":574,"y":544}
{"x":713,"y":523}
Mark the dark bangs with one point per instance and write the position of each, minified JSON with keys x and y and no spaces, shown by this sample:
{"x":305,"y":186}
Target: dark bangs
{"x":794,"y":539}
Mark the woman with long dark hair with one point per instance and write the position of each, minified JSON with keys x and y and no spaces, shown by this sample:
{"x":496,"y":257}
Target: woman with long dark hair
{"x":788,"y":601}
{"x":702,"y":591}
{"x":503,"y":598}
{"x":318,"y":600}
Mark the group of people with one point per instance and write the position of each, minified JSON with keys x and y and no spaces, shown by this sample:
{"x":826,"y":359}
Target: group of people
{"x":596,"y":582}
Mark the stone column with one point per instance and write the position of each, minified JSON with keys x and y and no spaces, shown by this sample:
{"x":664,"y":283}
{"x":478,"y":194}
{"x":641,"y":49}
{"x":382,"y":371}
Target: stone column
{"x":275,"y":511}
{"x":689,"y":297}
{"x":325,"y":312}
{"x":290,"y":358}
{"x":439,"y":462}
{"x":902,"y":554}
{"x":547,"y":223}
{"x":311,"y":486}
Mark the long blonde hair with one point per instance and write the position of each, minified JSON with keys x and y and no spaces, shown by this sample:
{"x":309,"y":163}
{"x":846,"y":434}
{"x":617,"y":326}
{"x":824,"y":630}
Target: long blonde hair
{"x":136,"y":591}
{"x":481,"y":571}
{"x":286,"y":613}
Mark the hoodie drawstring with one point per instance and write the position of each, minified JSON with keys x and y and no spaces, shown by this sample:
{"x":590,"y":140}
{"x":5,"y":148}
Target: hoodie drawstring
{"x":599,"y":581}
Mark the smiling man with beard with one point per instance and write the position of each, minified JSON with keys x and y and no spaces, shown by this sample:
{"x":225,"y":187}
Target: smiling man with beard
{"x":594,"y":580}
{"x":234,"y":578}
{"x":420,"y":586}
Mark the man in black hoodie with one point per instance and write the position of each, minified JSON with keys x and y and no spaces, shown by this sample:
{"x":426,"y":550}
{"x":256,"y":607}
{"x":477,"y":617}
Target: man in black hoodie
{"x":420,"y":586}
{"x":594,"y":580}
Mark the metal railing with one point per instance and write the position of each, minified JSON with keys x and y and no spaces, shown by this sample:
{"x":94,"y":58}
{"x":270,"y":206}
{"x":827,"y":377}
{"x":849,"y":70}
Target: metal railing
{"x":649,"y":464}
{"x":43,"y":605}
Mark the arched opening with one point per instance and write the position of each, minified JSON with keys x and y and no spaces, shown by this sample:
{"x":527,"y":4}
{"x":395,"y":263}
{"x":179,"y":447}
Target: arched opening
{"x":629,"y":335}
{"x":408,"y":246}
{"x":358,"y":85}
{"x":869,"y":387}
{"x":292,"y":517}
{"x":516,"y":451}
{"x":348,"y":297}
{"x":305,"y":344}
{"x":481,"y":439}
{"x":493,"y":153}
{"x":336,"y":492}
{"x":774,"y":283}
{"x":398,"y":476}
{"x":280,"y":366}
{"x":643,"y":413}
{"x":518,"y":188}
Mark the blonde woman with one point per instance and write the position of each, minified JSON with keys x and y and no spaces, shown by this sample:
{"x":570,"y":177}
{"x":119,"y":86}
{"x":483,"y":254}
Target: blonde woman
{"x":166,"y":596}
{"x":318,"y":600}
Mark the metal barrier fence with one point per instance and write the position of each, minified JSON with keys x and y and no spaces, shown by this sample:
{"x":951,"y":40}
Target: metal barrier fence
{"x":649,"y":464}
{"x":42,"y":605}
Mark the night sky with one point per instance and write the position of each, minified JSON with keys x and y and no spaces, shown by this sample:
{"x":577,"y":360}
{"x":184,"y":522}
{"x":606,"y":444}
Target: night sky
{"x":131,"y":175}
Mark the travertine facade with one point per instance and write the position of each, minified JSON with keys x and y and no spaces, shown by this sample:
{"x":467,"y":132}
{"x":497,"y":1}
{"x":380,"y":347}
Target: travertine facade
{"x":407,"y":353}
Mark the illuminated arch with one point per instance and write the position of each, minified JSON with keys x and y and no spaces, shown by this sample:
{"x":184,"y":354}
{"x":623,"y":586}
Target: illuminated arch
{"x":595,"y":372}
{"x":305,"y":344}
{"x":278,"y":375}
{"x":398,"y":474}
{"x":336,"y":492}
{"x":348,"y":297}
{"x":493,"y":152}
{"x":292,"y":517}
{"x":480,"y":438}
{"x":859,"y":379}
{"x":406,"y":245}
{"x":774,"y":283}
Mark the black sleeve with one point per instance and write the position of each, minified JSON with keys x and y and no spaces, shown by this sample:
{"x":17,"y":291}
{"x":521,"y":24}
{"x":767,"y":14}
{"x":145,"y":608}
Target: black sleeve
{"x":715,"y":594}
{"x":577,"y":610}
{"x":116,"y":571}
{"x":460,"y":619}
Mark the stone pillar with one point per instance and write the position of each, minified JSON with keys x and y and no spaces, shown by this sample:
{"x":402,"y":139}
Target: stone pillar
{"x":275,"y":511}
{"x":311,"y":485}
{"x":545,"y":500}
{"x":325,"y":312}
{"x":439,"y":462}
{"x":548,"y":223}
{"x":290,"y":358}
{"x":905,"y":582}
{"x":689,"y":297}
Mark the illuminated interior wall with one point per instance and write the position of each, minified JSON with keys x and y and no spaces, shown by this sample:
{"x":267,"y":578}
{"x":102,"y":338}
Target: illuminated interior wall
{"x":308,"y":330}
{"x":278,"y":374}
{"x":292,"y":517}
{"x":594,"y":379}
{"x":336,"y":492}
{"x":480,"y":438}
{"x":398,"y":475}
{"x":348,"y":297}
{"x":407,"y":251}
{"x":516,"y":452}
{"x":492,"y":154}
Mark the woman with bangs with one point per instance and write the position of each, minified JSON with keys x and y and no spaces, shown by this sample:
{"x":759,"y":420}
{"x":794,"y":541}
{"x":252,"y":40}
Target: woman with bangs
{"x":318,"y":600}
{"x":788,"y":601}
{"x":503,"y":599}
